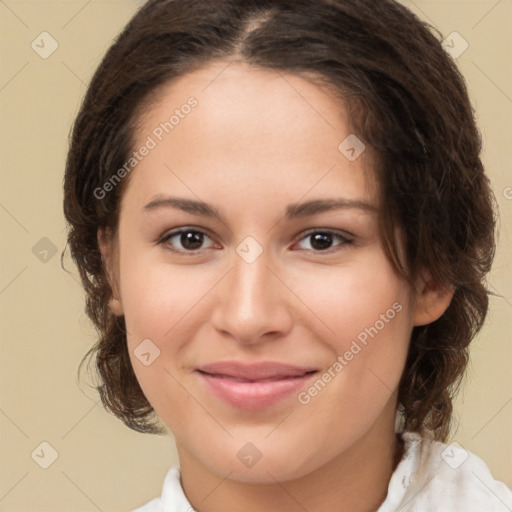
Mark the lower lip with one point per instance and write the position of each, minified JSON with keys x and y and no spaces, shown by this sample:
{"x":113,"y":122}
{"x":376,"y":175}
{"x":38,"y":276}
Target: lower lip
{"x":254,"y":396}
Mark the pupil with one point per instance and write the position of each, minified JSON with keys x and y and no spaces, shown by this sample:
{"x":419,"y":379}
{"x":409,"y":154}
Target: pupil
{"x":321,"y":241}
{"x":191,"y":240}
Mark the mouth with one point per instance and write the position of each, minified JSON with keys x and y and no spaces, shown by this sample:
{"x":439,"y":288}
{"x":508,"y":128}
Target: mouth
{"x":254,"y":386}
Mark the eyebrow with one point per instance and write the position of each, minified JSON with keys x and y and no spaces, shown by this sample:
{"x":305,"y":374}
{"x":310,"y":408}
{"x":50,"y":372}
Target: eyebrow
{"x":294,"y":210}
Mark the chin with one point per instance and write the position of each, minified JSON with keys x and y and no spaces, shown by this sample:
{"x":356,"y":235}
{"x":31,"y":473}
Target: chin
{"x":268,"y":464}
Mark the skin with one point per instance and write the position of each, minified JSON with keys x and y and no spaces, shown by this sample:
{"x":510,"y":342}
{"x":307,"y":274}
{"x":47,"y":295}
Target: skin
{"x":256,"y":142}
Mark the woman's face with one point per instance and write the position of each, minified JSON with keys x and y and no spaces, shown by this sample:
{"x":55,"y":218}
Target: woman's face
{"x":268,"y":280}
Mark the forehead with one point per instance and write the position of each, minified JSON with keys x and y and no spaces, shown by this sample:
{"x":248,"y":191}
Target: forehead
{"x":250,"y":129}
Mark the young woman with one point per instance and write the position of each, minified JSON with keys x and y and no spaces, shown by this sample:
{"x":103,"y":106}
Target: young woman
{"x":283,"y":227}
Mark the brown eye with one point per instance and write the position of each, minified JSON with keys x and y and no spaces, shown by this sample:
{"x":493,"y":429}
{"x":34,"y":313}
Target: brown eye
{"x":323,"y":240}
{"x":185,"y":240}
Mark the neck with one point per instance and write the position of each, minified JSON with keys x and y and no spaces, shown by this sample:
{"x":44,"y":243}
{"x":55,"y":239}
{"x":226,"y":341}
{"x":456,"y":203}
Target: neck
{"x":356,"y":480}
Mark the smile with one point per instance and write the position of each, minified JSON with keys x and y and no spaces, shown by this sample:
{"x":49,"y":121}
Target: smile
{"x":256,"y":386}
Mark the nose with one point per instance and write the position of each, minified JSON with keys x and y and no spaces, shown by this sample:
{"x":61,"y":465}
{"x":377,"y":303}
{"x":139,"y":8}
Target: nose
{"x":254,"y":305}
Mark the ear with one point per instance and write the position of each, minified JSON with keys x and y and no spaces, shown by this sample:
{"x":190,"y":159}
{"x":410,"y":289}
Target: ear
{"x":108,"y":255}
{"x":432,"y":300}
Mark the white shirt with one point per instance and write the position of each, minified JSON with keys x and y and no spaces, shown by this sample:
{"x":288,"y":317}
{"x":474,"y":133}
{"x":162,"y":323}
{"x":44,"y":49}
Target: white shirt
{"x":431,"y":477}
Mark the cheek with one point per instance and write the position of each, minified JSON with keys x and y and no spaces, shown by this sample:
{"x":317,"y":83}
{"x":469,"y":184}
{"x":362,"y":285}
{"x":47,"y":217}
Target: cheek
{"x":156,"y":296}
{"x":159,"y":302}
{"x":165,"y":304}
{"x":366,"y":323}
{"x":352,"y":301}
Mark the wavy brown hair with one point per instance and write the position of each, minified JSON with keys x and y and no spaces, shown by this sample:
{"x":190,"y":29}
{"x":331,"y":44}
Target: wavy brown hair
{"x":408,"y":101}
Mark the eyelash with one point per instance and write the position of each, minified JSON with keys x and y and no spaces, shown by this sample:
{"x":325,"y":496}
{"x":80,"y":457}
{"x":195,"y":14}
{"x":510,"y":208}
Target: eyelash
{"x":345,"y":238}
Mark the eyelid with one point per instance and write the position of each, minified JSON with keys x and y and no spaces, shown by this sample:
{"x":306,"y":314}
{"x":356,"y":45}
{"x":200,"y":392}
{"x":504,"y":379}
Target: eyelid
{"x":347,"y":238}
{"x":340,"y":232}
{"x":163,"y":239}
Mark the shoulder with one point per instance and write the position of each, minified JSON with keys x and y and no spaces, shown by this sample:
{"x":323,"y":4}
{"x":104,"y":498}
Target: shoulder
{"x":444,"y":478}
{"x":155,"y":505}
{"x":172,"y":497}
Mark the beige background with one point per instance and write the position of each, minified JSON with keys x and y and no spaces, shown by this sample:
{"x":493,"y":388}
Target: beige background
{"x":101,"y":464}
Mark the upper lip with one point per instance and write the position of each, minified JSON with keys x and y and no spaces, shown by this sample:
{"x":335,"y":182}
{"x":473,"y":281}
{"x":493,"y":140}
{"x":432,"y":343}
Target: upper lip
{"x":254,"y":371}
